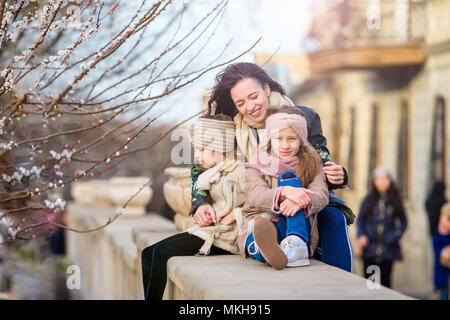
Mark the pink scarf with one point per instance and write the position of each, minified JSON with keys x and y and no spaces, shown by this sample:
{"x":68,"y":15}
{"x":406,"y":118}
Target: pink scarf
{"x":270,"y":165}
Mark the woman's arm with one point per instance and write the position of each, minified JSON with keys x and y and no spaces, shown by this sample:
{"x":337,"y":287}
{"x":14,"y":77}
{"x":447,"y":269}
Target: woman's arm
{"x":403,"y":225}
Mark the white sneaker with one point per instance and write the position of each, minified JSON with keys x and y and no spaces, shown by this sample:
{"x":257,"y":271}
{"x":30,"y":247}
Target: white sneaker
{"x":296,"y":251}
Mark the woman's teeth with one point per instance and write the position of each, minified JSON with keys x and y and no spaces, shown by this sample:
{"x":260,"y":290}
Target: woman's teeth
{"x":256,"y":112}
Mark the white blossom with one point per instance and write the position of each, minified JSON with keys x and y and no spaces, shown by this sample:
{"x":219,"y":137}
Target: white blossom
{"x":64,"y":154}
{"x":52,"y":205}
{"x":8,"y":146}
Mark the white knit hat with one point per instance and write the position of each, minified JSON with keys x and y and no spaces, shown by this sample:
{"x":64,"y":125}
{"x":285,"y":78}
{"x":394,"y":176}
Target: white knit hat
{"x":380,"y":169}
{"x":213,"y":134}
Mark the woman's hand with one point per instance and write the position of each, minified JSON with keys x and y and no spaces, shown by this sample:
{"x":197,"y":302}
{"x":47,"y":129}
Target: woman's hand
{"x":229,"y":218}
{"x":334,"y":173}
{"x":363,"y":241}
{"x":289,"y":208}
{"x":205,"y":215}
{"x":300,"y":196}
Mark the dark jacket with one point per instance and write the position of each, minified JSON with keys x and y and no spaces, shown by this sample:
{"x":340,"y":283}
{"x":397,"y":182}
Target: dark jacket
{"x":433,"y":204}
{"x":384,"y":230}
{"x":315,"y":137}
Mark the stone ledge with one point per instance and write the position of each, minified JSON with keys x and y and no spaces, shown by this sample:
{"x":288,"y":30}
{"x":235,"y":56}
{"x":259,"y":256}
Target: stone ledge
{"x":234,"y":278}
{"x":110,"y":257}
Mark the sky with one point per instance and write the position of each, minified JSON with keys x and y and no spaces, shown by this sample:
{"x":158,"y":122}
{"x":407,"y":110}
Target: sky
{"x":281,"y":24}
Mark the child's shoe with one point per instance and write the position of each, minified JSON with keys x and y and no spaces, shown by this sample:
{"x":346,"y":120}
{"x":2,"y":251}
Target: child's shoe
{"x":265,"y":236}
{"x":296,"y":251}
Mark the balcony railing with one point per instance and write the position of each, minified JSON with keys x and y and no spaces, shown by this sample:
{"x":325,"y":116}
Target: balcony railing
{"x":351,"y":23}
{"x":365,"y":34}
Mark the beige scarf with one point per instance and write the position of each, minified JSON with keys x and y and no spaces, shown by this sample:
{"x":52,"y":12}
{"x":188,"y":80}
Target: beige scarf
{"x":246,"y":141}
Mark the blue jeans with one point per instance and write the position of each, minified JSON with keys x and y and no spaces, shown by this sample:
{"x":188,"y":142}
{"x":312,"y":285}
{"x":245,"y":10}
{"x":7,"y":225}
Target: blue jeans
{"x":297,"y":225}
{"x":335,"y":246}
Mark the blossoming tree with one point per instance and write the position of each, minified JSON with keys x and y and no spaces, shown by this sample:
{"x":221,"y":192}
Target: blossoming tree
{"x":70,"y":69}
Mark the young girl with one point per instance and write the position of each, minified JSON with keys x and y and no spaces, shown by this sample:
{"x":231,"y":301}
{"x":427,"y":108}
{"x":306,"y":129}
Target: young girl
{"x":381,"y":223}
{"x":213,"y":141}
{"x":283,"y":185}
{"x":223,"y":176}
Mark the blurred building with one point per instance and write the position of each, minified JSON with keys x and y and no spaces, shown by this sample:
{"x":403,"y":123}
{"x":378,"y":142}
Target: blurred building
{"x":289,"y":69}
{"x":379,"y":75}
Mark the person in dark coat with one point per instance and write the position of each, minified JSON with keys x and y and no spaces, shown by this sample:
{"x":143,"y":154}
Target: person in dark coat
{"x":435,"y":200}
{"x":441,"y":245}
{"x":380,"y":225}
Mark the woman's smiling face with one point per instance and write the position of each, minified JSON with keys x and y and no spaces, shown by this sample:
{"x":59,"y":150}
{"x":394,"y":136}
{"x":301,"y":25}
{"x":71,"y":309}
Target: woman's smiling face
{"x":251,"y":99}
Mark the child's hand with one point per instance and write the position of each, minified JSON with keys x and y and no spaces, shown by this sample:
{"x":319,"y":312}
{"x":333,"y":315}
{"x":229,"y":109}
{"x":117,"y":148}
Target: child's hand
{"x":298,"y":195}
{"x":211,"y":214}
{"x":228,"y":219}
{"x":289,"y":208}
{"x":363,"y":241}
{"x":204,"y":215}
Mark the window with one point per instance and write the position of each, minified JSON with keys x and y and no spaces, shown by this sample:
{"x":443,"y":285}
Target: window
{"x":403,"y":150}
{"x":351,"y":151}
{"x":373,"y":153}
{"x":437,"y":161}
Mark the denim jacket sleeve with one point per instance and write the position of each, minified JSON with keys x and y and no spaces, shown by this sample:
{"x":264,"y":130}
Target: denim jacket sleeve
{"x":199,"y":197}
{"x":319,"y":142}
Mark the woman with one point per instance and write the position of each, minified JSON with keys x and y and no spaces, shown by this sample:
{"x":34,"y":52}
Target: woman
{"x":381,"y":223}
{"x":245,"y":92}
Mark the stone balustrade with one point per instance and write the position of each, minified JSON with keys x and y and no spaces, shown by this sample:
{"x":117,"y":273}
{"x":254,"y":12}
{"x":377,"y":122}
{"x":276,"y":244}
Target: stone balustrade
{"x":177,"y":192}
{"x":110,"y":258}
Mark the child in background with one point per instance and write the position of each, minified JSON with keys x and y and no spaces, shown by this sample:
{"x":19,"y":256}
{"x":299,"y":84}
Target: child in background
{"x":283,"y":185}
{"x":441,"y":244}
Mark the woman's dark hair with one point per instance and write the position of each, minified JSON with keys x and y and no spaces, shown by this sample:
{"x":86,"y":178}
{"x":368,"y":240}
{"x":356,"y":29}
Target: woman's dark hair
{"x":220,"y":100}
{"x":374,"y":195}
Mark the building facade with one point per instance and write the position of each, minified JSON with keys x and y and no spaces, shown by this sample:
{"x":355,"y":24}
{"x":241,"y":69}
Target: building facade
{"x":380,"y":83}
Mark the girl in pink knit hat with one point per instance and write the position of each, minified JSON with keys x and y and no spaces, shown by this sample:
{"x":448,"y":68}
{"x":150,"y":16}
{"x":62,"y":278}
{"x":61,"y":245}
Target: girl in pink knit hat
{"x":285,"y":187}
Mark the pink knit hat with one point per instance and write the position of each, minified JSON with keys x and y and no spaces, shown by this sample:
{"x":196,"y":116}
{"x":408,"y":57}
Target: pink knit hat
{"x":280,"y":121}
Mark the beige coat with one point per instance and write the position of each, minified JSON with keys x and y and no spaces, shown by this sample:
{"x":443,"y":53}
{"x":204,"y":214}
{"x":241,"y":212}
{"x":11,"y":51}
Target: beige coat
{"x":226,"y":189}
{"x":261,"y":191}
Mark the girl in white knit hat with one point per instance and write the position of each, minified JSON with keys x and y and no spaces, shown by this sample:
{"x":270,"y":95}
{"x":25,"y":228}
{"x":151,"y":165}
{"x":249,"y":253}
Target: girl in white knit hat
{"x":213,"y":141}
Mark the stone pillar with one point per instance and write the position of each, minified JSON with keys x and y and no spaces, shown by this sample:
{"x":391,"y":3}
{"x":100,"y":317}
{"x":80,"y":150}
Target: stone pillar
{"x":177,"y":192}
{"x":94,"y":193}
{"x":121,"y":189}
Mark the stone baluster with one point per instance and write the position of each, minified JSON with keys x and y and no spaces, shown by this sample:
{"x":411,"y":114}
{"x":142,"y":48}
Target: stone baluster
{"x":177,"y":192}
